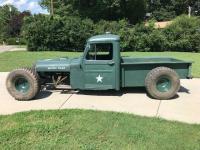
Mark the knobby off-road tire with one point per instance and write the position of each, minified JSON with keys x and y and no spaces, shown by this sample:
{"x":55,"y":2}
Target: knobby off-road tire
{"x":162,"y":83}
{"x":23,"y":84}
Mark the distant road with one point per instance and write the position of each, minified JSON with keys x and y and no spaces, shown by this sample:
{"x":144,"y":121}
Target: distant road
{"x":4,"y":48}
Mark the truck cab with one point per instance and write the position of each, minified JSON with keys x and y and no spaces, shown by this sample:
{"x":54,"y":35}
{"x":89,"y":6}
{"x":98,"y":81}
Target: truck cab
{"x":99,"y":65}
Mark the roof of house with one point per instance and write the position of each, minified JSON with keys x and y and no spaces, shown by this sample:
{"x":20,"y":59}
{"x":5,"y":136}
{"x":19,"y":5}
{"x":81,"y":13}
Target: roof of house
{"x":160,"y":25}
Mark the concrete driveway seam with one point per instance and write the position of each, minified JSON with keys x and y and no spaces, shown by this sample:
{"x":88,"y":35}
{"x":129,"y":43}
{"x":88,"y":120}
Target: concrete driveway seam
{"x":157,"y":112}
{"x":66,"y":101}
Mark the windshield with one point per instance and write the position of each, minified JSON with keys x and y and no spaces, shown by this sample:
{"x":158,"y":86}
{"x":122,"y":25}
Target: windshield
{"x":99,"y":51}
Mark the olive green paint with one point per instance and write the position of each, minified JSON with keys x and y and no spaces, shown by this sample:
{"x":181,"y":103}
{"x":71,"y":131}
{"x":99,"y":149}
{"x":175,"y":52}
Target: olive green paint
{"x":163,"y":84}
{"x":22,"y":85}
{"x":110,"y":74}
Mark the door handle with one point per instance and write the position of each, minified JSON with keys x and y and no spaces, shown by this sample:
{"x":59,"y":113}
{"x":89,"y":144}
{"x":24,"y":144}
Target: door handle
{"x":111,"y":63}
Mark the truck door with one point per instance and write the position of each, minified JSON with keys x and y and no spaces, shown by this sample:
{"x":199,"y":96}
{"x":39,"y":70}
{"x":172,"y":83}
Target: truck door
{"x":99,"y":67}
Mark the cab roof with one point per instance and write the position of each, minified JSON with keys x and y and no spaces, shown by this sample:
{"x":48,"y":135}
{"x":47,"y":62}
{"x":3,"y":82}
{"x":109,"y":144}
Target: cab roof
{"x":104,"y":37}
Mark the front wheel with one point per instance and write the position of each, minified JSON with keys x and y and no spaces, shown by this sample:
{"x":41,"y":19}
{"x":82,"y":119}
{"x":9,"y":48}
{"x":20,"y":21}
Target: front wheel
{"x":162,"y":83}
{"x":23,"y":84}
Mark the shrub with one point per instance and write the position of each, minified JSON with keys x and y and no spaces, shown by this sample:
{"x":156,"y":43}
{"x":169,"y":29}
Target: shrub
{"x":183,"y":34}
{"x":46,"y":33}
{"x":156,"y":41}
{"x":77,"y":31}
{"x":121,"y":28}
{"x":70,"y":33}
{"x":147,"y":38}
{"x":134,"y":38}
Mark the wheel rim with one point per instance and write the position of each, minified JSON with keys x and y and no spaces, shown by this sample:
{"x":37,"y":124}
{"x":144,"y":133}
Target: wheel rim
{"x":163,"y":84}
{"x":22,"y":85}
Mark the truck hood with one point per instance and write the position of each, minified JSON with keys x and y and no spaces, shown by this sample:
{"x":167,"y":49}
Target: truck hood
{"x":56,"y":65}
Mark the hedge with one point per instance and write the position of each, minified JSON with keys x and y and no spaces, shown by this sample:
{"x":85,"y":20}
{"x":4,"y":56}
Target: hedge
{"x":45,"y":33}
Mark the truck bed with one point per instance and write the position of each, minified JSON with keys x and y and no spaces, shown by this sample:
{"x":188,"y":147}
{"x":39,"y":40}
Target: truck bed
{"x":150,"y":60}
{"x":135,"y":70}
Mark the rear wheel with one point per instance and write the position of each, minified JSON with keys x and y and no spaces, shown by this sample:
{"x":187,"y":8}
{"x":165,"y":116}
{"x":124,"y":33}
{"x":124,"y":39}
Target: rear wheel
{"x":23,"y":84}
{"x":162,"y":83}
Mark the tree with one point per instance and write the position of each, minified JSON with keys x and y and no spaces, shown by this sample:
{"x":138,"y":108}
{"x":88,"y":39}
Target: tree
{"x":6,"y":14}
{"x":163,"y":10}
{"x":11,"y":21}
{"x":16,"y":22}
{"x":133,"y":10}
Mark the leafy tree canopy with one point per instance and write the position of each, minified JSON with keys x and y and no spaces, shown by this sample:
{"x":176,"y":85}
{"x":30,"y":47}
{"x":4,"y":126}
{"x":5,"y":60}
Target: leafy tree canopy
{"x":11,"y":21}
{"x":133,"y":10}
{"x":169,"y":9}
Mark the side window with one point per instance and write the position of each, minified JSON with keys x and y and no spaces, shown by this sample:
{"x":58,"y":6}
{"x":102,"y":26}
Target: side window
{"x":100,"y":51}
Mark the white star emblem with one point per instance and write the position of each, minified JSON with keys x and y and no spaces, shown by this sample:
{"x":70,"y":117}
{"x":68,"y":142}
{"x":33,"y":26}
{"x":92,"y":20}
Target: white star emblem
{"x":99,"y":79}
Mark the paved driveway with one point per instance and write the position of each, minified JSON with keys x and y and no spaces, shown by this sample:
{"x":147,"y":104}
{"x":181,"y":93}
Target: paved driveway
{"x":4,"y":48}
{"x":185,"y":107}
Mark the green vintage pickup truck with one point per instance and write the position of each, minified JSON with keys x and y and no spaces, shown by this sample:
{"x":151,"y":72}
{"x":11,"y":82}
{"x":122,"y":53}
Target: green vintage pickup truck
{"x":101,"y":67}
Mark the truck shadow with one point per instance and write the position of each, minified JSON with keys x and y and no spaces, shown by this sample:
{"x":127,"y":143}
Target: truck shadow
{"x":112,"y":92}
{"x":141,"y":90}
{"x":138,"y":90}
{"x":43,"y":94}
{"x":184,"y":90}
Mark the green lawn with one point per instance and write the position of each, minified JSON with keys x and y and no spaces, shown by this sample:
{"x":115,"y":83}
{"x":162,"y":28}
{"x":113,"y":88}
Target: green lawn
{"x":12,"y":60}
{"x":81,"y":129}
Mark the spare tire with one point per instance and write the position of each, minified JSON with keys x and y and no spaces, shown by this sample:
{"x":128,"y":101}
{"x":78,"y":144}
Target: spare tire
{"x":162,"y":83}
{"x":23,"y":84}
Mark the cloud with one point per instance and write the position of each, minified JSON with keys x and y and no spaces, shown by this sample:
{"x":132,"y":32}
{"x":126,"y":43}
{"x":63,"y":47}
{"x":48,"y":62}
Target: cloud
{"x":6,"y":2}
{"x":36,"y":8}
{"x":33,"y":5}
{"x":22,"y":5}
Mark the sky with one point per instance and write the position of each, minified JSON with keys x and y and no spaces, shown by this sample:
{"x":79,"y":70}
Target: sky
{"x":31,"y":5}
